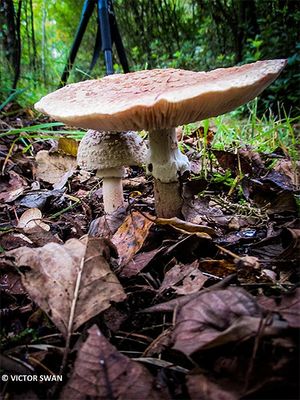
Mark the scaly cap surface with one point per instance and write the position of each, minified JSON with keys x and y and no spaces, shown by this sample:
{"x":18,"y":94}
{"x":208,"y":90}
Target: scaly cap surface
{"x":103,"y":150}
{"x":159,"y":98}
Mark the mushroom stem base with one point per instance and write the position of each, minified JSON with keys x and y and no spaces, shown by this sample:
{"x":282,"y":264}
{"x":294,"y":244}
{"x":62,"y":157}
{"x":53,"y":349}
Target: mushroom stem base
{"x":168,"y":199}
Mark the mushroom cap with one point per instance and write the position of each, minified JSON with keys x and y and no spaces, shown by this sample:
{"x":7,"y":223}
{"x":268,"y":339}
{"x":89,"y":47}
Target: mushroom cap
{"x":159,"y":98}
{"x":107,"y":150}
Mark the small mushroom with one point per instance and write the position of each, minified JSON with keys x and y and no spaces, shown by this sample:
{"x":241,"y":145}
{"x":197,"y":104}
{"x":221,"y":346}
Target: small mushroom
{"x":158,"y":101}
{"x":108,"y":153}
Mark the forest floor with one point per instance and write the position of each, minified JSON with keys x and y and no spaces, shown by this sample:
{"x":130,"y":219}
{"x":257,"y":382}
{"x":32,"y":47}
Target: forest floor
{"x":131,"y":306}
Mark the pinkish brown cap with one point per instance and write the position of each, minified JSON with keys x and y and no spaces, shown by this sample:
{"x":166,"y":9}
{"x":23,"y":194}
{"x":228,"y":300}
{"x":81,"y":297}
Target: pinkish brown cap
{"x":159,"y":98}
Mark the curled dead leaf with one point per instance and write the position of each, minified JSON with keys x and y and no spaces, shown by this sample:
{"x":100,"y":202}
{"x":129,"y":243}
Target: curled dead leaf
{"x":218,"y":317}
{"x":131,"y":235}
{"x":187,"y":227}
{"x":31,"y":219}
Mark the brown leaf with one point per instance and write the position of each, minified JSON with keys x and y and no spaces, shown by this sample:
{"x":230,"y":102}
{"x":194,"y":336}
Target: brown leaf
{"x":291,"y":244}
{"x":39,"y":237}
{"x":218,"y":317}
{"x":189,"y":274}
{"x":130,"y":236}
{"x":11,"y":187}
{"x":192,"y":283}
{"x":206,"y":136}
{"x":282,"y":246}
{"x":233,"y":162}
{"x":273,"y":192}
{"x":57,"y":268}
{"x":220,"y":268}
{"x":289,"y":169}
{"x":177,"y":303}
{"x":200,"y":387}
{"x":108,"y":224}
{"x":159,"y":344}
{"x":12,"y":240}
{"x":138,"y":263}
{"x":176,"y":274}
{"x":51,"y":167}
{"x":10,"y":281}
{"x":102,"y":373}
{"x":200,"y":210}
{"x":288,"y":307}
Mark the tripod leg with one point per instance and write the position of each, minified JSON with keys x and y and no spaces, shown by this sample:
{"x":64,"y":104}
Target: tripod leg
{"x":97,"y":48}
{"x":105,"y":35}
{"x":84,"y":19}
{"x":117,"y":39}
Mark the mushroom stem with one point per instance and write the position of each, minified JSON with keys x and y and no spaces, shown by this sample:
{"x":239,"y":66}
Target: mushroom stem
{"x":166,"y":164}
{"x":112,"y":188}
{"x":112,"y":194}
{"x":168,"y":199}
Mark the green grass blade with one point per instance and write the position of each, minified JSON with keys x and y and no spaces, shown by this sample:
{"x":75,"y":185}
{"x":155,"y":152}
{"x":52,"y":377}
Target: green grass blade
{"x":33,"y":128}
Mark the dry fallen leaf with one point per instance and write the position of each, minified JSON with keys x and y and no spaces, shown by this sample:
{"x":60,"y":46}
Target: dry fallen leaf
{"x":176,"y":274}
{"x":192,"y":283}
{"x":30,"y":219}
{"x":187,"y":227}
{"x":220,"y":268}
{"x":234,"y":162}
{"x":56,"y":271}
{"x":177,"y":303}
{"x":287,"y":306}
{"x":218,"y":317}
{"x":10,"y":281}
{"x":107,"y":224}
{"x":138,"y":263}
{"x":51,"y":167}
{"x":130,"y":236}
{"x":11,"y":187}
{"x":68,"y":146}
{"x":201,"y":387}
{"x":290,"y":169}
{"x":102,"y":373}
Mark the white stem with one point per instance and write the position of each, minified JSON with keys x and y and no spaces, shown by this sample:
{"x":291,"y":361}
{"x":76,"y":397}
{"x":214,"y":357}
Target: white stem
{"x":165,"y":161}
{"x":166,"y":164}
{"x":112,"y":194}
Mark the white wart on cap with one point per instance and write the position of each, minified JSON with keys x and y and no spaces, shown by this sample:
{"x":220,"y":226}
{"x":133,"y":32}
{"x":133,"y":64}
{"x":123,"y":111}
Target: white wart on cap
{"x":158,"y":101}
{"x":108,"y":153}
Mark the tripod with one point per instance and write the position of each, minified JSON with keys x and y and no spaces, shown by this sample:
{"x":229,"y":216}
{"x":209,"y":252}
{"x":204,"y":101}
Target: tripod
{"x":107,"y":34}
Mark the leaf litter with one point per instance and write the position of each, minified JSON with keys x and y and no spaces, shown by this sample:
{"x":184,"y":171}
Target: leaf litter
{"x":131,"y":306}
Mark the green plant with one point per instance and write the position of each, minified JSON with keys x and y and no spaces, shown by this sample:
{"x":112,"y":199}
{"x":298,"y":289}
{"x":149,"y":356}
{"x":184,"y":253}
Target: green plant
{"x":264,"y":134}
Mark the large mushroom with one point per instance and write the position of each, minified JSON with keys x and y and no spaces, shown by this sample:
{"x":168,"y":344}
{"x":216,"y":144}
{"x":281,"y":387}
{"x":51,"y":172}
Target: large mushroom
{"x":108,"y":153}
{"x":158,"y":101}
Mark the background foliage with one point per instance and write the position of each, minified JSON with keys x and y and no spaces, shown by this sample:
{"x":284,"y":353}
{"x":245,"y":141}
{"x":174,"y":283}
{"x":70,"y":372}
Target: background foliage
{"x":192,"y":34}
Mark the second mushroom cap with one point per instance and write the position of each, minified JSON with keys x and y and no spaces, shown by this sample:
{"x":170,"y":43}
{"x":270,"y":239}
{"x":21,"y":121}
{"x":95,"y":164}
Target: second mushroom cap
{"x":102,"y":150}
